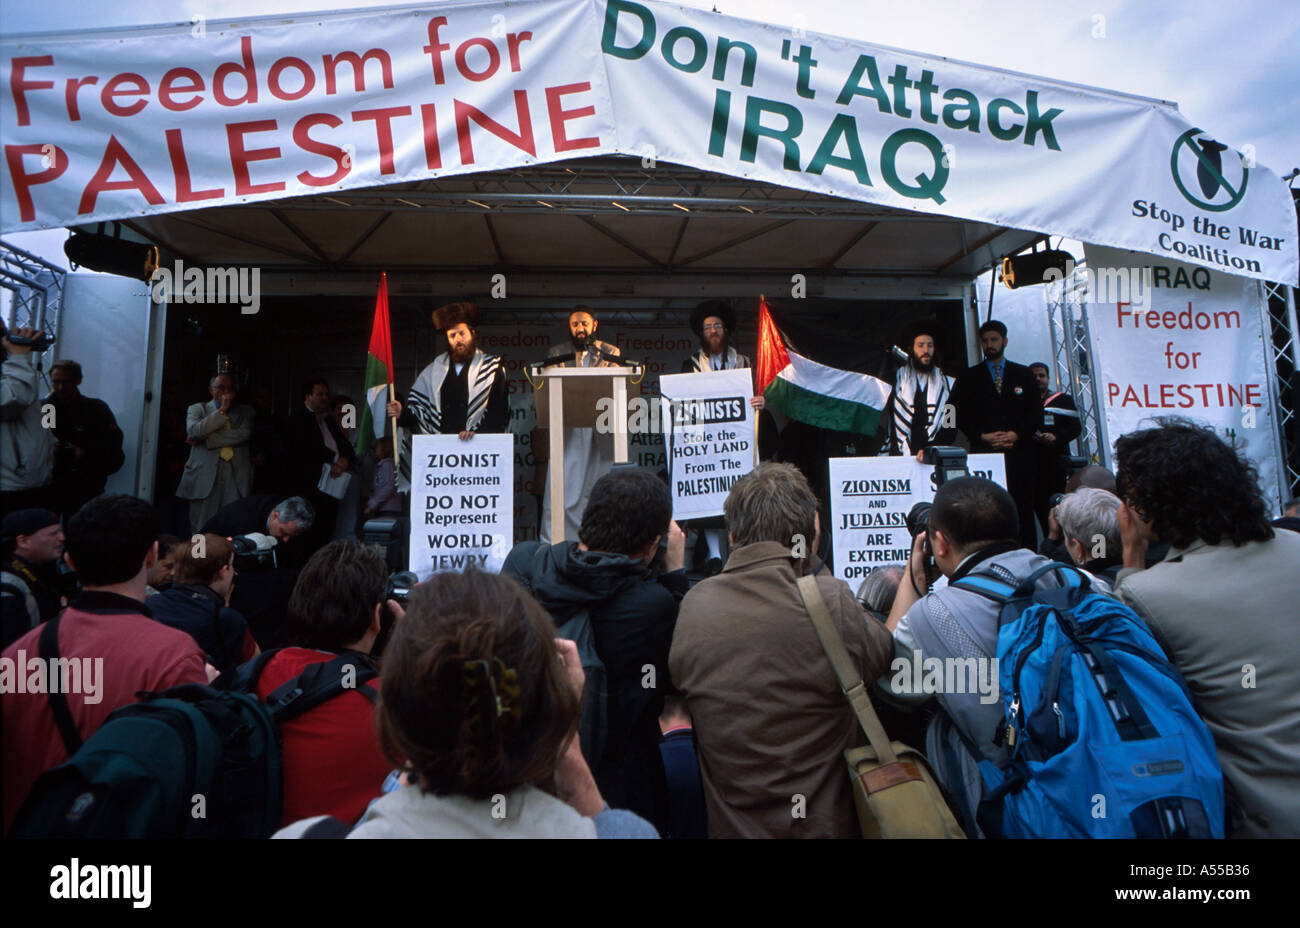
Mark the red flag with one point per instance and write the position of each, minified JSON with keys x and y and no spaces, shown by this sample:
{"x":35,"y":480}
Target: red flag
{"x":772,"y":356}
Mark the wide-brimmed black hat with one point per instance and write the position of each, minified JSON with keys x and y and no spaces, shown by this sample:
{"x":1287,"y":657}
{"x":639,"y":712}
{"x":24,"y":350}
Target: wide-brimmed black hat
{"x":712,"y":308}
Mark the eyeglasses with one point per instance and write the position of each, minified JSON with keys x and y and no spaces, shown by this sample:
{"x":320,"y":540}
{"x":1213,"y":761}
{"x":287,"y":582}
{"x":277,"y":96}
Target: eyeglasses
{"x":714,"y":327}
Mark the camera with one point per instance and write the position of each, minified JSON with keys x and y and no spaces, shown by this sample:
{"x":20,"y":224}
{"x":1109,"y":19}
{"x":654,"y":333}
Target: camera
{"x":1055,"y":500}
{"x":399,"y":586}
{"x":949,"y":463}
{"x":39,"y":343}
{"x":918,"y":518}
{"x":254,"y":551}
{"x":392,"y":534}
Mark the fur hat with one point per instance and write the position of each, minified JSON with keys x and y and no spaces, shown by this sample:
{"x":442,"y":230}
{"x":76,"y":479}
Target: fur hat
{"x":453,"y":314}
{"x":712,"y":308}
{"x":917,"y":328}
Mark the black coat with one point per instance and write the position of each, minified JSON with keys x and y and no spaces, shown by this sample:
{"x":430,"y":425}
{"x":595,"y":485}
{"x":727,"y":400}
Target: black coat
{"x":243,"y":516}
{"x":632,"y":622}
{"x":981,"y":409}
{"x":306,"y":450}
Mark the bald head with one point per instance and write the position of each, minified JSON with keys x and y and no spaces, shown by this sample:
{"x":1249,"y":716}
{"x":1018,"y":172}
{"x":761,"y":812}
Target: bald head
{"x":1093,"y":476}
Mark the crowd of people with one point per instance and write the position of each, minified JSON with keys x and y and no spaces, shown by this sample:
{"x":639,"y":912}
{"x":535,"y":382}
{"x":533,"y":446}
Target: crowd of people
{"x":595,"y":687}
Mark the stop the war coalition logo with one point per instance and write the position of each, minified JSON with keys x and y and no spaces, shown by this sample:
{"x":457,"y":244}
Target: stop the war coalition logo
{"x":1212,"y":182}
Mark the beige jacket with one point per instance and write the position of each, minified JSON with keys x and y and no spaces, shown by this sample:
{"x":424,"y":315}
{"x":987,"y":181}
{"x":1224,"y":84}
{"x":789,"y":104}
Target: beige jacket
{"x":771,"y":723}
{"x":1229,"y":619}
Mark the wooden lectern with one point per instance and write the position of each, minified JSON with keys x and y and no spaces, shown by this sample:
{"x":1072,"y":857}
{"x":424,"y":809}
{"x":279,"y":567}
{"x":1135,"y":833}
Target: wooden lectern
{"x":569,"y":397}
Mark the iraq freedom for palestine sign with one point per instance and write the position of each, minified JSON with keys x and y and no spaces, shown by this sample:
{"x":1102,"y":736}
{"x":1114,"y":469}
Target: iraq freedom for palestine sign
{"x":708,"y":429}
{"x":1173,"y":339}
{"x":870,"y":499}
{"x":462,"y":498}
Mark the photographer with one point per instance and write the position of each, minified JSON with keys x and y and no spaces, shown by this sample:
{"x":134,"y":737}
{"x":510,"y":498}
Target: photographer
{"x":600,"y":592}
{"x":31,"y":543}
{"x":198,"y":603}
{"x":973,"y":525}
{"x":264,"y":514}
{"x":333,"y":764}
{"x":26,"y":447}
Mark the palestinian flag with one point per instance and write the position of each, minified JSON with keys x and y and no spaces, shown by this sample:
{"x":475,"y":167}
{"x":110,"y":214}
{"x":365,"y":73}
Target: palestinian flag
{"x":379,"y":373}
{"x":827,"y":397}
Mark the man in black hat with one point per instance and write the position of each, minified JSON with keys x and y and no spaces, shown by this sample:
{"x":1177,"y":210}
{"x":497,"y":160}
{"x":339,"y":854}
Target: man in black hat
{"x":461,"y":392}
{"x":714,"y":321}
{"x":918,"y":413}
{"x":29,"y":578}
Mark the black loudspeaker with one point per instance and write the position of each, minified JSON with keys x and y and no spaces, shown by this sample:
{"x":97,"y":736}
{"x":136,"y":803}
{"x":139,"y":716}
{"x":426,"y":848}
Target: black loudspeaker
{"x":112,"y":255}
{"x":1037,"y":267}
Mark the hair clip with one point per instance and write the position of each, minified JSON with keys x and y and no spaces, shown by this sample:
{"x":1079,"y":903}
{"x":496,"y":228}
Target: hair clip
{"x":492,"y":690}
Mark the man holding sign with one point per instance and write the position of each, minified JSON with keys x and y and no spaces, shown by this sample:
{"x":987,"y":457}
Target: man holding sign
{"x":713,"y":321}
{"x":462,"y":392}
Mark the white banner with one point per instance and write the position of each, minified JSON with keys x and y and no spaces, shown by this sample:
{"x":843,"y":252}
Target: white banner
{"x":156,"y":120}
{"x":870,"y":499}
{"x":461,"y":503}
{"x":708,"y":429}
{"x":1182,"y":341}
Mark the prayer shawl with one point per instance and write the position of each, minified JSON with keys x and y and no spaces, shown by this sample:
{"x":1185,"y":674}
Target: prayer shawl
{"x":936,"y":397}
{"x":425,"y":402}
{"x":702,"y":361}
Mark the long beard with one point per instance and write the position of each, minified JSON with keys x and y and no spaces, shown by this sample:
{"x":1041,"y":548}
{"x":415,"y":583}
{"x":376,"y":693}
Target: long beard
{"x":922,"y":367}
{"x":463,"y":354}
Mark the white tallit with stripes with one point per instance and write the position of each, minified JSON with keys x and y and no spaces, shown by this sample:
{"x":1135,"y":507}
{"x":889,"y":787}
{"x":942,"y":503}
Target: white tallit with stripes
{"x":425,"y":402}
{"x":906,"y":384}
{"x":702,"y":361}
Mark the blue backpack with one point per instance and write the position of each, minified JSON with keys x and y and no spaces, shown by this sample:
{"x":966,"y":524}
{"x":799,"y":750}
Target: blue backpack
{"x":1104,"y":740}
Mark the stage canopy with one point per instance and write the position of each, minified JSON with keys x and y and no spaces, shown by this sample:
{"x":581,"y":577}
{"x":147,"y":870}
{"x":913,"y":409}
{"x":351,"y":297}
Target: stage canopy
{"x":602,"y":136}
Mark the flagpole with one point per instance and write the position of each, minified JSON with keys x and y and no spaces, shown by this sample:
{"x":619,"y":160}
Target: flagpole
{"x":753,"y":413}
{"x":393,"y":419}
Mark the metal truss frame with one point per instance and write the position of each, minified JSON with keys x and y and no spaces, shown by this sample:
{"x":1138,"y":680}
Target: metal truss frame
{"x":35,"y":293}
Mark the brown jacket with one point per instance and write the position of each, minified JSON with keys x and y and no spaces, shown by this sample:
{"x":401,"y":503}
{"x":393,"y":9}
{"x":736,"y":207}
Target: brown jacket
{"x":771,"y":723}
{"x":1229,"y":620}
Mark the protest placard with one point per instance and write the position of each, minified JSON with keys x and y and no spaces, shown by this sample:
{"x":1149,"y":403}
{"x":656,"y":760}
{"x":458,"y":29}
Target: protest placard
{"x":870,"y":499}
{"x":708,"y":428}
{"x":462,"y":502}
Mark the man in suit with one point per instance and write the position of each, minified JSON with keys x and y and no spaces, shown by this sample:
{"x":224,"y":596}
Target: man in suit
{"x":263,"y":514}
{"x":1061,"y":426}
{"x":999,"y":409}
{"x":314,"y":439}
{"x":219,"y":470}
{"x":587,"y":455}
{"x":89,"y":443}
{"x":1222,"y":605}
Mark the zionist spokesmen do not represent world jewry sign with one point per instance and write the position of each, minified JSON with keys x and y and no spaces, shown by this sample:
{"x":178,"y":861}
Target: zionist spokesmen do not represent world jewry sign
{"x":462,"y":502}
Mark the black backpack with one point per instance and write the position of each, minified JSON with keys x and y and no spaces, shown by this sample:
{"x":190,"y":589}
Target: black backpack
{"x":191,"y":761}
